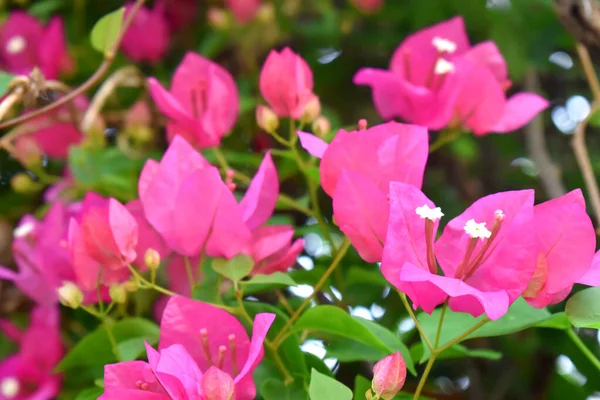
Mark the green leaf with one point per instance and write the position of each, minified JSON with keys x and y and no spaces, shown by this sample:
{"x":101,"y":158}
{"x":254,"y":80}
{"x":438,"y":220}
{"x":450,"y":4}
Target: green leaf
{"x":322,"y":387}
{"x":106,"y":31}
{"x":315,"y":362}
{"x":273,"y":389}
{"x":90,"y":394}
{"x":333,"y":320}
{"x":289,"y":350}
{"x":594,"y":119}
{"x":132,"y":349}
{"x":276,"y":278}
{"x":361,"y":385}
{"x":235,"y":268}
{"x":583,"y":309}
{"x":520,"y":316}
{"x":458,"y":351}
{"x":4,"y":81}
{"x":107,"y":171}
{"x":95,"y":348}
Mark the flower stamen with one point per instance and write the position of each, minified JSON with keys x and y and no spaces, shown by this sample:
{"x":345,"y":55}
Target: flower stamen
{"x":232,"y":352}
{"x":205,"y":345}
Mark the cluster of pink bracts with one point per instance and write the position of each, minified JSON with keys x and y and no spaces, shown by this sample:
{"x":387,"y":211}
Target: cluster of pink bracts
{"x":502,"y":247}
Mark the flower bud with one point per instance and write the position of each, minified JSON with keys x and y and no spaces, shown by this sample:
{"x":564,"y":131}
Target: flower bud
{"x":218,"y":18}
{"x":70,"y":295}
{"x":217,"y":385}
{"x":118,"y":293}
{"x":266,"y":13}
{"x":312,"y":110}
{"x":22,"y":183}
{"x":389,"y":375}
{"x":266,"y":119}
{"x":28,"y":152}
{"x":131,"y":285}
{"x":321,"y":126}
{"x":152,"y":259}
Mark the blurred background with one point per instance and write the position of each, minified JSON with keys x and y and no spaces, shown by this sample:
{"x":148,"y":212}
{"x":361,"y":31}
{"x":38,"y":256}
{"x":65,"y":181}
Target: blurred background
{"x":337,"y":38}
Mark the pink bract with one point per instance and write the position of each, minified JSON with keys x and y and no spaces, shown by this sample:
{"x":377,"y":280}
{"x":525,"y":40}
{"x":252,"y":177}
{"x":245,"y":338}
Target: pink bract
{"x":147,"y":38}
{"x":203,"y":103}
{"x":243,"y":10}
{"x":286,"y":83}
{"x":356,"y":170}
{"x":567,"y":241}
{"x":193,"y":334}
{"x":30,"y":370}
{"x":436,"y":79}
{"x":482,"y":275}
{"x":25,"y":44}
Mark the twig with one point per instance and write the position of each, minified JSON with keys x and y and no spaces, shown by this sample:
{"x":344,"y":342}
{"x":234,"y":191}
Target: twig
{"x":536,"y":144}
{"x":92,"y":80}
{"x":127,"y":76}
{"x":578,"y":142}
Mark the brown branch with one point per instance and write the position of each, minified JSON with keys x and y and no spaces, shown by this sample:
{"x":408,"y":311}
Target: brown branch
{"x":92,"y":80}
{"x":578,"y":142}
{"x":536,"y":144}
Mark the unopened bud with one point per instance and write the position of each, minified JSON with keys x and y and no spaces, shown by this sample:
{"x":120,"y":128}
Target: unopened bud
{"x":389,"y":375}
{"x":22,"y":183}
{"x":218,"y":18}
{"x":70,"y":295}
{"x":28,"y":152}
{"x":266,"y":118}
{"x":131,"y":285}
{"x":152,"y":259}
{"x":321,"y":126}
{"x":266,"y":13}
{"x":118,"y":293}
{"x":312,"y":110}
{"x":217,"y":385}
{"x":141,"y":134}
{"x":362,"y":124}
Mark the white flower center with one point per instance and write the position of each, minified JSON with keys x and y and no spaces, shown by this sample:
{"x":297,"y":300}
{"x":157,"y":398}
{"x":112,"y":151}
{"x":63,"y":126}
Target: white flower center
{"x":443,"y":67}
{"x":432,"y":214}
{"x":9,"y":387}
{"x":24,"y":229}
{"x":477,"y":230}
{"x":443,"y":45}
{"x":16,"y":44}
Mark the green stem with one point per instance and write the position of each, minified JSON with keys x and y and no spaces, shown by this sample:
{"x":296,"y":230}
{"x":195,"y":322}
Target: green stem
{"x":583,"y":348}
{"x":111,"y":337}
{"x":440,"y":323}
{"x":424,"y":376}
{"x":462,"y":336}
{"x":146,"y":284}
{"x":189,"y":272}
{"x":342,"y":251}
{"x":415,"y":320}
{"x":444,"y":138}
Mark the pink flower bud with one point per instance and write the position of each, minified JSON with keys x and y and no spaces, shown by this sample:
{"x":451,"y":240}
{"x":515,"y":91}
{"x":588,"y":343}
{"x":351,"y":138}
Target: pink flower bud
{"x":362,"y":124}
{"x":243,"y":10}
{"x":389,"y":375}
{"x":286,"y":83}
{"x":266,"y":119}
{"x":217,"y":385}
{"x":28,"y":152}
{"x":321,"y":126}
{"x":147,"y":39}
{"x":152,"y":259}
{"x":312,"y":110}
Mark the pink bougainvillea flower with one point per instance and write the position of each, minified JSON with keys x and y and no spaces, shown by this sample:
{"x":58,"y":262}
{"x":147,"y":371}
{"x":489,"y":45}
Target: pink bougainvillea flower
{"x":389,"y":375}
{"x":356,"y":170}
{"x":243,"y":10}
{"x":367,"y":6}
{"x":186,"y":201}
{"x":148,"y":238}
{"x":203,"y":103}
{"x":203,"y":352}
{"x":102,"y":242}
{"x":567,"y":241}
{"x":261,"y":197}
{"x":179,"y":13}
{"x":286,"y":83}
{"x":147,"y":38}
{"x":592,"y":276}
{"x":272,"y":249}
{"x":436,"y":79}
{"x":488,"y":253}
{"x":41,"y":253}
{"x":28,"y":374}
{"x":25,"y":44}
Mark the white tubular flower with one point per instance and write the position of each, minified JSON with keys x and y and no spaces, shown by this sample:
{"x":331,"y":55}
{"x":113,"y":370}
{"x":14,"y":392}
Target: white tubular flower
{"x":24,"y":229}
{"x":16,"y":44}
{"x":432,"y":214}
{"x":477,"y":230}
{"x":9,"y":387}
{"x":443,"y":67}
{"x":443,"y":45}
